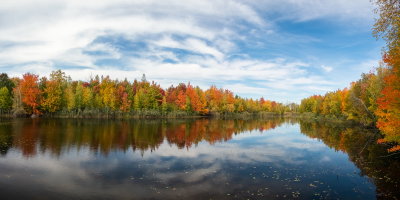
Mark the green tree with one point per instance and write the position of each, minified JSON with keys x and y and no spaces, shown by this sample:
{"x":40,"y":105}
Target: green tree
{"x":136,"y":102}
{"x":5,"y":100}
{"x":164,"y":105}
{"x":5,"y":81}
{"x":79,"y":98}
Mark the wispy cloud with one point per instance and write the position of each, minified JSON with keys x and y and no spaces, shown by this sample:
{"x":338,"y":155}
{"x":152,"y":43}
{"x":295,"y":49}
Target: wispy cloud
{"x":326,"y":68}
{"x":237,"y":44}
{"x":305,"y":10}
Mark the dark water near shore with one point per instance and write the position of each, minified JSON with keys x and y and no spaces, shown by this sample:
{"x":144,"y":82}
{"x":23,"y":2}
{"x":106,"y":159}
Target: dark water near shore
{"x":193,"y":159}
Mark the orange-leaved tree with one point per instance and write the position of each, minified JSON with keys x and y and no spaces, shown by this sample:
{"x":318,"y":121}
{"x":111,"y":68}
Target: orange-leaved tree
{"x":389,"y":104}
{"x":387,"y":26}
{"x":30,"y":92}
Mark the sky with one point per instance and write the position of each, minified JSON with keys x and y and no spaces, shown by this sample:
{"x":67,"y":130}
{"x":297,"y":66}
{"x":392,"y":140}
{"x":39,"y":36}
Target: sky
{"x":282,"y":50}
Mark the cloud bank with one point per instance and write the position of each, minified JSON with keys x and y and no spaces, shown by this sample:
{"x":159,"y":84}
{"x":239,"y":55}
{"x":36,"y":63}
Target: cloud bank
{"x":254,"y":48}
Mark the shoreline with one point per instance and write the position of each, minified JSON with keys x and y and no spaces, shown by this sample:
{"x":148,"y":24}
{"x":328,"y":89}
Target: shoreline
{"x":152,"y":115}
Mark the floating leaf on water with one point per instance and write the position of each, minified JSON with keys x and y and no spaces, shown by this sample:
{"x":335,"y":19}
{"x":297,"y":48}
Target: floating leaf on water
{"x":312,"y":185}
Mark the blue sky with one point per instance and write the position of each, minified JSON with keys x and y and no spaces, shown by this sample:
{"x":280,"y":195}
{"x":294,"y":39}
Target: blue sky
{"x":282,"y":50}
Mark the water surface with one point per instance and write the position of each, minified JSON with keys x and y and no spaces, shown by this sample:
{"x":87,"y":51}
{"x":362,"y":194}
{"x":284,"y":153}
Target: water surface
{"x":193,"y":159}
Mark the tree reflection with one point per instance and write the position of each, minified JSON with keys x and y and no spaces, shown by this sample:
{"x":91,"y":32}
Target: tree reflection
{"x":6,"y":139}
{"x":360,"y":144}
{"x":57,"y":136}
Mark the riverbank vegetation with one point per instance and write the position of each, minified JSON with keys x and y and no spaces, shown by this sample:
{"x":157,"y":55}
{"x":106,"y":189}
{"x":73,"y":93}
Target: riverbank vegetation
{"x":359,"y":102}
{"x":60,"y":96}
{"x":375,"y":98}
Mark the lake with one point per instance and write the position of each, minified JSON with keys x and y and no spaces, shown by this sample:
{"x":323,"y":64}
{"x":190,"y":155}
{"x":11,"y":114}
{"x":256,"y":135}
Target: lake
{"x":193,"y":159}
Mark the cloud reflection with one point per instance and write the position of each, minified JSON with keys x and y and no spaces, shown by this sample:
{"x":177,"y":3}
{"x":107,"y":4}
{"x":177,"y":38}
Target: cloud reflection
{"x":203,"y":159}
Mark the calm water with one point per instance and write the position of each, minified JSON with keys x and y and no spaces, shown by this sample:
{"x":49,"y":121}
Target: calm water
{"x":193,"y":159}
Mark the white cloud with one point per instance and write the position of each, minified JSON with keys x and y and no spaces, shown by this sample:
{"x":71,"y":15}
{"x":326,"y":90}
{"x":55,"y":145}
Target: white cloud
{"x":359,"y":11}
{"x":326,"y":68}
{"x":191,"y":44}
{"x":42,"y":35}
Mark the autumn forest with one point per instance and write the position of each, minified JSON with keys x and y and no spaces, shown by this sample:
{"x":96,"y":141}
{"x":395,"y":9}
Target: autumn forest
{"x":373,"y":100}
{"x":227,"y":99}
{"x":58,"y":95}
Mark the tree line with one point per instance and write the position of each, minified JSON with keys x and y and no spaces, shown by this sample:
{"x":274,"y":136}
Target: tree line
{"x":101,"y":96}
{"x":359,"y":102}
{"x":375,"y":98}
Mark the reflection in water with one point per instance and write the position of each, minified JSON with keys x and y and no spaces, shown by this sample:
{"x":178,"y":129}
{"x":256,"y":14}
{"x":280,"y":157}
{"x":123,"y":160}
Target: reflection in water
{"x":196,"y":159}
{"x":360,"y":144}
{"x":56,"y":136}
